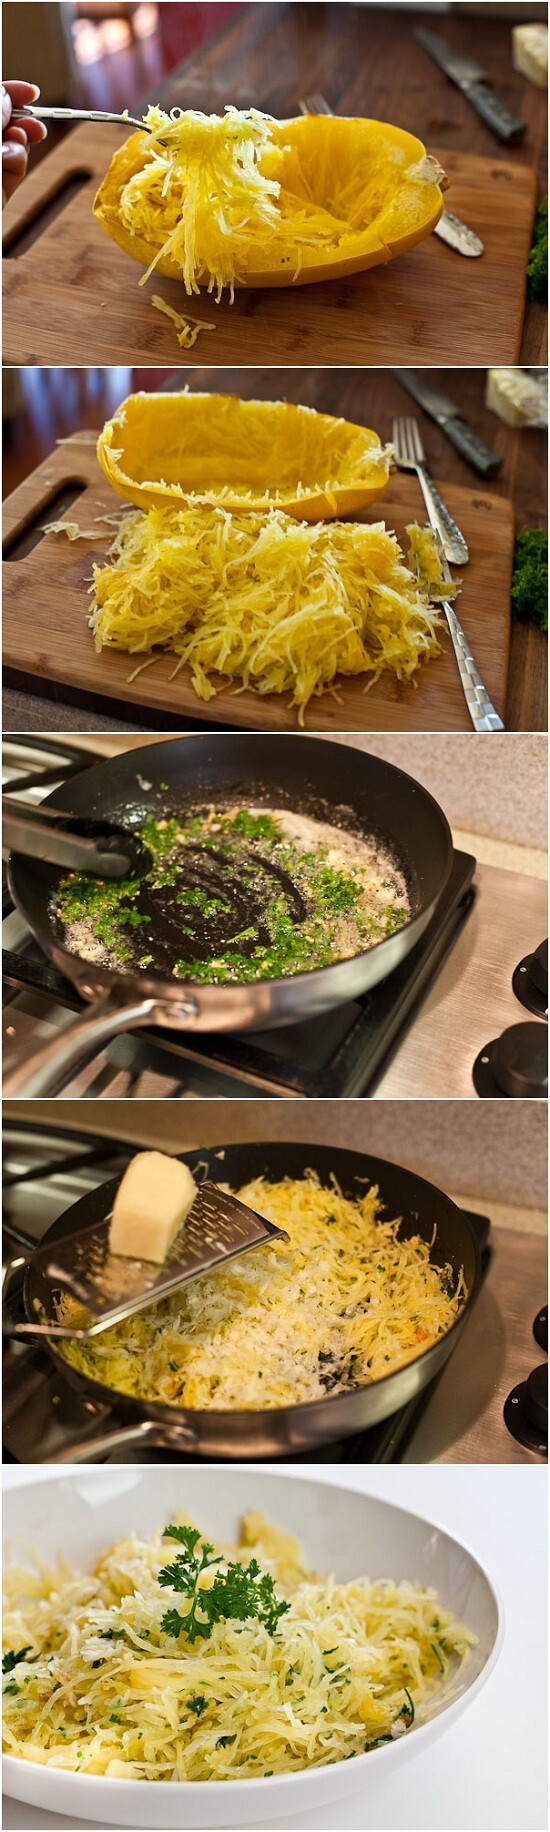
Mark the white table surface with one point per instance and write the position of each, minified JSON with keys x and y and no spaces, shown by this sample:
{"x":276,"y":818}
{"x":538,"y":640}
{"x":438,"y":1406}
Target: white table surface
{"x":488,"y":1772}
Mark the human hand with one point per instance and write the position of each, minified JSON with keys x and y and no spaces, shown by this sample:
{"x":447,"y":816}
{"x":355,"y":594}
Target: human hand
{"x":17,"y":136}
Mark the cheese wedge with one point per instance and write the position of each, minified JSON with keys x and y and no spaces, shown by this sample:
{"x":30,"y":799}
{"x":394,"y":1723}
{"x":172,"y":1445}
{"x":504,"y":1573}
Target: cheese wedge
{"x":152,"y":1201}
{"x":517,"y":397}
{"x":530,"y":53}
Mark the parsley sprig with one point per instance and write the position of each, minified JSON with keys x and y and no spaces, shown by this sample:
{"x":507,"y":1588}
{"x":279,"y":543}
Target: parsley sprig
{"x":238,"y":1593}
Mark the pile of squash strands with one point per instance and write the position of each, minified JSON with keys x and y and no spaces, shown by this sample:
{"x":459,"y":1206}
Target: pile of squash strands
{"x":274,"y":604}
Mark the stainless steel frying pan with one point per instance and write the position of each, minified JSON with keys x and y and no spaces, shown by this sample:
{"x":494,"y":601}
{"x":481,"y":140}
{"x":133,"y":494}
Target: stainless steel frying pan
{"x":424,"y":1209}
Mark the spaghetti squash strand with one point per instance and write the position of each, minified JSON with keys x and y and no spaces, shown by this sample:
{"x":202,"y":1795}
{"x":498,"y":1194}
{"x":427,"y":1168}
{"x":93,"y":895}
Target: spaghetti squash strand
{"x":280,"y":605}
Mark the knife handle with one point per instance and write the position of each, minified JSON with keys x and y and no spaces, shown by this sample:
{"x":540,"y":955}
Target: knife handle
{"x":471,"y":447}
{"x":495,"y":114}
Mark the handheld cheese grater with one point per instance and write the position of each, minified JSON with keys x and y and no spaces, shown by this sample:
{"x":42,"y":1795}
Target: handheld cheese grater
{"x":109,"y":1287}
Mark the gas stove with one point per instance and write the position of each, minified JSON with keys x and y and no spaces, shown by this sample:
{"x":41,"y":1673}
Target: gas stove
{"x":418,"y":1034}
{"x":459,"y":1418}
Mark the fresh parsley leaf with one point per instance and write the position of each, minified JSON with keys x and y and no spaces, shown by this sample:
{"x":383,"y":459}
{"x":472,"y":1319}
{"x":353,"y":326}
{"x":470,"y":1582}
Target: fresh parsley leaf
{"x":529,"y":592}
{"x":198,"y":1704}
{"x":9,"y":1660}
{"x":537,"y":266}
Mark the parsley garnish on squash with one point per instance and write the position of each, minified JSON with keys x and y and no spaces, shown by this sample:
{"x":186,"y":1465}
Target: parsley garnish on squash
{"x":239,"y":1593}
{"x":9,"y":1660}
{"x":537,"y":265}
{"x":530,"y":578}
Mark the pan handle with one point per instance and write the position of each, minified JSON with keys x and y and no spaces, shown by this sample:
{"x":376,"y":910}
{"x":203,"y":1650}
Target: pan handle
{"x":142,"y":1431}
{"x":48,"y":1070}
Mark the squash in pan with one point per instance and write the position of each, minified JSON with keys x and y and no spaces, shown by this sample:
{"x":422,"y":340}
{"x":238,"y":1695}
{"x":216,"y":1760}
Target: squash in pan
{"x":169,"y":450}
{"x":241,"y":200}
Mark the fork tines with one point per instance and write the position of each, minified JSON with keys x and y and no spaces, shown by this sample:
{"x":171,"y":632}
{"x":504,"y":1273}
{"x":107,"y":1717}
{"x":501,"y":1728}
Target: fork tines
{"x":407,"y":443}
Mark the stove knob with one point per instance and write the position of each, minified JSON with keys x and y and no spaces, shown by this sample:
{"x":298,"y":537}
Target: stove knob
{"x":514,"y":1065}
{"x":530,"y":981}
{"x":539,"y":968}
{"x":519,"y":1062}
{"x":535,"y":1398}
{"x":526,"y":1411}
{"x":540,"y":1328}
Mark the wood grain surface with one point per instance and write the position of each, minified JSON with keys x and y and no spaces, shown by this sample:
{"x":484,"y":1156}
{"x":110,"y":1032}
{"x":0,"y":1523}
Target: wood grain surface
{"x":72,"y":296}
{"x":46,"y":607}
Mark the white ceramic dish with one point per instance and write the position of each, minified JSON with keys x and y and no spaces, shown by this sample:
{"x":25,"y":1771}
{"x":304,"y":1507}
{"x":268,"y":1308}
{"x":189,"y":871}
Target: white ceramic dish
{"x":82,"y":1513}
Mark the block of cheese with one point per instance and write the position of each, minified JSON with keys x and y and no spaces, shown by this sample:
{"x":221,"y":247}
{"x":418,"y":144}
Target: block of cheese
{"x":517,"y":397}
{"x":152,"y":1201}
{"x":530,"y":53}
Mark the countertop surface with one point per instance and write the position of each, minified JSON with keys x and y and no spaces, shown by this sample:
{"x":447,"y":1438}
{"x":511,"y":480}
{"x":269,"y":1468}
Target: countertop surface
{"x":487,"y":1773}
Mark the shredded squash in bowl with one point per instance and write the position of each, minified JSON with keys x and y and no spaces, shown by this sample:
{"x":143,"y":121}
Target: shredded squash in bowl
{"x":275,"y":1669}
{"x":342,"y":1303}
{"x":275,"y":604}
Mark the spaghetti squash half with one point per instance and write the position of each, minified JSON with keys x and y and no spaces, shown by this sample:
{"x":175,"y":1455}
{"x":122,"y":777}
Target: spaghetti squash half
{"x":242,"y":200}
{"x":172,"y":450}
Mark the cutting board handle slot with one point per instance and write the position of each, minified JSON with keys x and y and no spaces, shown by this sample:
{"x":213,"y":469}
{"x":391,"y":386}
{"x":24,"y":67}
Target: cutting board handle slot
{"x":23,"y":234}
{"x":29,"y":531}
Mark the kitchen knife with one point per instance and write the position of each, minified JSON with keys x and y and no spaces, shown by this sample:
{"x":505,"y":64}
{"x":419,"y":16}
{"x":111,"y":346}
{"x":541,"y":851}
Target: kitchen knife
{"x":448,"y":417}
{"x":470,"y":78}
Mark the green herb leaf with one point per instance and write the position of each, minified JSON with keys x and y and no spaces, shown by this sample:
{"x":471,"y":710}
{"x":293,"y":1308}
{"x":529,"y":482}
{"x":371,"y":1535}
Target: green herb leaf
{"x":9,"y":1660}
{"x":239,"y":1593}
{"x":530,"y":578}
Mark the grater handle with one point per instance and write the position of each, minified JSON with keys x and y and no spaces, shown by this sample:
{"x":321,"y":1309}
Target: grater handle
{"x":142,"y":1431}
{"x":51,"y":1067}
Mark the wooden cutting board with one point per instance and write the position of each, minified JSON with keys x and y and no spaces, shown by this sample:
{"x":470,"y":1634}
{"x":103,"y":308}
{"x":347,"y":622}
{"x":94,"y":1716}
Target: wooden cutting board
{"x":72,"y":296}
{"x":46,"y":606}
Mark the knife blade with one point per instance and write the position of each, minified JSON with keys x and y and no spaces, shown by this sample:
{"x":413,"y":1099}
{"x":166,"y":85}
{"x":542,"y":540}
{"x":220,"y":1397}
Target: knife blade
{"x":449,"y":418}
{"x":471,"y":79}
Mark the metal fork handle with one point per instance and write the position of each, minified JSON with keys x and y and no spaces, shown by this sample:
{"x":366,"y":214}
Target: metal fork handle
{"x":76,"y":114}
{"x":482,"y":712}
{"x":452,"y":541}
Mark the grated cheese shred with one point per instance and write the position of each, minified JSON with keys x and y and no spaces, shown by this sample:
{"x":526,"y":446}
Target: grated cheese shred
{"x":102,"y":1689}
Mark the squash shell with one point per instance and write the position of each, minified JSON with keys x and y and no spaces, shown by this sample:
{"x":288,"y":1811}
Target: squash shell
{"x":162,"y":451}
{"x":410,"y":214}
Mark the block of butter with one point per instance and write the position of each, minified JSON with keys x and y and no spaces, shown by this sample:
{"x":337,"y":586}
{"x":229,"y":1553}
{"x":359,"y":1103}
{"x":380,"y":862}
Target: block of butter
{"x":152,"y":1200}
{"x":530,"y":53}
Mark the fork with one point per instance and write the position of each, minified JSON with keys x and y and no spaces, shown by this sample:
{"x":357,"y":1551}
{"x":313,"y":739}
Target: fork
{"x":80,"y":114}
{"x":409,"y":455}
{"x":483,"y":714}
{"x":406,"y":440}
{"x":450,"y":228}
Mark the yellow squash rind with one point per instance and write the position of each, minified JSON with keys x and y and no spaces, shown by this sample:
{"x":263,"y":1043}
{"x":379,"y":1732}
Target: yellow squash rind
{"x":168,"y":450}
{"x":319,"y":145}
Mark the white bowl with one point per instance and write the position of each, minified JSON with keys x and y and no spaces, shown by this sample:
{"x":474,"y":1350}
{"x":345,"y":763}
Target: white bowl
{"x":342,"y":1531}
